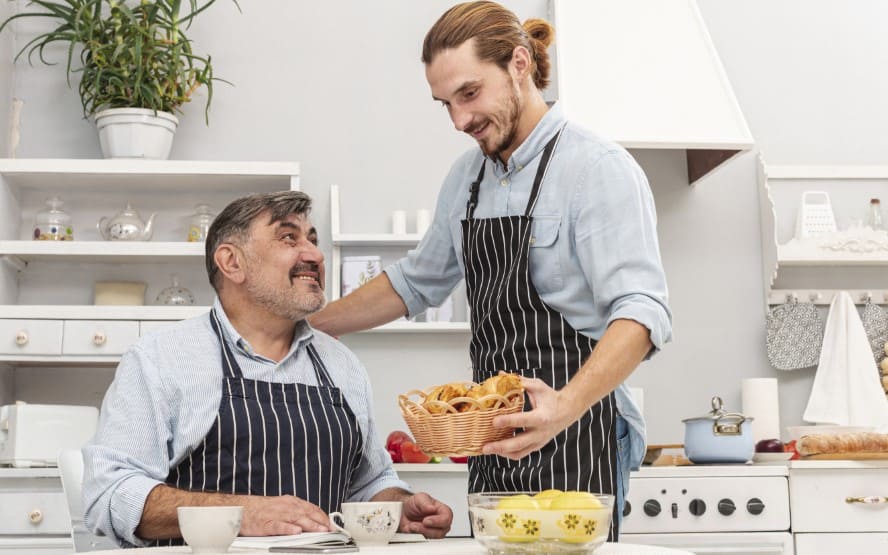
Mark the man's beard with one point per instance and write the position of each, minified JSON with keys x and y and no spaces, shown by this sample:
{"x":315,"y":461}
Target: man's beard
{"x":509,"y":125}
{"x":288,"y":303}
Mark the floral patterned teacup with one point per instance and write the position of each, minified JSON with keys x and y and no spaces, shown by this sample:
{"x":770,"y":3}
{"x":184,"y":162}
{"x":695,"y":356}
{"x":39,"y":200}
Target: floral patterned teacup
{"x":369,"y":523}
{"x":209,"y":529}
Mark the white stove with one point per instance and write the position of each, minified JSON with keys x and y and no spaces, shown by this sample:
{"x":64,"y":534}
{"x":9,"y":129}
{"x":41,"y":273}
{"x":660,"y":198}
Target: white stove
{"x":725,"y":509}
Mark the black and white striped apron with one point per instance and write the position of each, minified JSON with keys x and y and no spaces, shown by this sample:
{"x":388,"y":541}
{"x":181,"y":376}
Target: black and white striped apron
{"x":514,"y":330}
{"x":275,"y":439}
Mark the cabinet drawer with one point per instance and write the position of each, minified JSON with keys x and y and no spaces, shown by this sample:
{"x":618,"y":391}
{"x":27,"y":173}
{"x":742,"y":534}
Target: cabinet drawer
{"x":819,"y":500}
{"x":98,"y":337}
{"x":147,"y":326}
{"x":830,"y":544}
{"x":34,"y":513}
{"x":30,"y":337}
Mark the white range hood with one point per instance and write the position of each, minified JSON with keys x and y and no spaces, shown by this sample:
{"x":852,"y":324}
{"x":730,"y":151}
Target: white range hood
{"x":646,"y":74}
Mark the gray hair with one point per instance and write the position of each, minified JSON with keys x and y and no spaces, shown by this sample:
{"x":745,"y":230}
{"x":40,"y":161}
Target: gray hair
{"x":232,"y":225}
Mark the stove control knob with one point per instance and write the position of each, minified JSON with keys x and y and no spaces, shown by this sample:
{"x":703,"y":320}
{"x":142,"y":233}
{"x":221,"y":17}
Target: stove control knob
{"x":627,"y":508}
{"x":651,"y":507}
{"x":755,"y":506}
{"x":726,"y":507}
{"x":697,"y":507}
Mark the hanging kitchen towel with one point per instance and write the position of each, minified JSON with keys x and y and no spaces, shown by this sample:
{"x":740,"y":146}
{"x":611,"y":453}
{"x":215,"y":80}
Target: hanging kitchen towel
{"x":795,"y":333}
{"x":875,"y":322}
{"x":846,"y":390}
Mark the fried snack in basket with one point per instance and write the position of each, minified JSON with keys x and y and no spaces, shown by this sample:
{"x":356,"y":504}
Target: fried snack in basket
{"x":455,"y":419}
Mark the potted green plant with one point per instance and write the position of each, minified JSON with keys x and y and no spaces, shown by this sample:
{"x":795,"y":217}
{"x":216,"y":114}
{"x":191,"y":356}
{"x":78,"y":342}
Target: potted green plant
{"x":136,"y":64}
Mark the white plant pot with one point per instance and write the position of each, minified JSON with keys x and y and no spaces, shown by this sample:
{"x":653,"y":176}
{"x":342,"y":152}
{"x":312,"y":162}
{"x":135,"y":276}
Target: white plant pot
{"x":136,"y":133}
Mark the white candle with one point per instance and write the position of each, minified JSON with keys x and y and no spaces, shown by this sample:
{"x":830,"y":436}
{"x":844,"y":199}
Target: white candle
{"x":423,"y":220}
{"x":399,"y":222}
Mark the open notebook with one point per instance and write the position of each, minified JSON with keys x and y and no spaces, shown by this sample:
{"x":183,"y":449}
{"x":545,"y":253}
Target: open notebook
{"x":312,"y":538}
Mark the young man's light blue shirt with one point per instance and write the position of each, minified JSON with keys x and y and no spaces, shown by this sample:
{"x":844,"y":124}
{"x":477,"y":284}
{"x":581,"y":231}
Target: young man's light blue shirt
{"x":594,"y":254}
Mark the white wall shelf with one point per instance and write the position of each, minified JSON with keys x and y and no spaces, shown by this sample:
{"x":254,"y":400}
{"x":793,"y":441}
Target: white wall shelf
{"x":376,"y":240}
{"x":802,"y":267}
{"x":161,"y":175}
{"x":107,"y":312}
{"x":360,"y":240}
{"x":422,"y":327}
{"x":145,"y":252}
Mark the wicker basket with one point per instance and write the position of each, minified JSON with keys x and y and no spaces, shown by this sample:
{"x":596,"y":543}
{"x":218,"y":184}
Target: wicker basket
{"x":453,"y":433}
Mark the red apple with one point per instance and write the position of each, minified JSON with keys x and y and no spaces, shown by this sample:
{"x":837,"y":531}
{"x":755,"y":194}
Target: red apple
{"x":460,"y":460}
{"x":411,"y":453}
{"x":769,"y":446}
{"x":393,"y":444}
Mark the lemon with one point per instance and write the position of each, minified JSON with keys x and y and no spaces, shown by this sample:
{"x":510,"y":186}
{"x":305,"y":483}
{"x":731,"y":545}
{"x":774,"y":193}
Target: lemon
{"x":575,"y":500}
{"x":520,"y":501}
{"x":518,"y":526}
{"x":576,"y":525}
{"x":544,"y":498}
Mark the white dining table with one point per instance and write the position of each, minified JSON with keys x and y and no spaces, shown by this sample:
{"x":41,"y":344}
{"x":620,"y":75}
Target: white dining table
{"x":447,"y":546}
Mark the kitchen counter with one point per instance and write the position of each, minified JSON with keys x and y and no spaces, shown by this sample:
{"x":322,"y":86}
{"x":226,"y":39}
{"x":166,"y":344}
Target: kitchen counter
{"x":448,"y":546}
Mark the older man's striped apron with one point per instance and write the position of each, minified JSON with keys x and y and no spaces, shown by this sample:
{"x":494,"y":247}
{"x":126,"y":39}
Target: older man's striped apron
{"x":514,"y":330}
{"x":275,"y":439}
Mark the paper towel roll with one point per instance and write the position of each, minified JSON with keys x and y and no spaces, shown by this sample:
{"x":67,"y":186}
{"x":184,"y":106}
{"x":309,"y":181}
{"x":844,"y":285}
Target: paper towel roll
{"x":760,"y":401}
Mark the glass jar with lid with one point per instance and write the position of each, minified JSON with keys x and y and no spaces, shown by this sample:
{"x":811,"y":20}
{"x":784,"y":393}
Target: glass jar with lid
{"x":175,"y":294}
{"x":53,"y":223}
{"x":199,"y":223}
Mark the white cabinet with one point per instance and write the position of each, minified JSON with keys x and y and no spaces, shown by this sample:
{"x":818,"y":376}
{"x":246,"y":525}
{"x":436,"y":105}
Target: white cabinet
{"x":830,"y":512}
{"x":359,"y":243}
{"x":33,"y":513}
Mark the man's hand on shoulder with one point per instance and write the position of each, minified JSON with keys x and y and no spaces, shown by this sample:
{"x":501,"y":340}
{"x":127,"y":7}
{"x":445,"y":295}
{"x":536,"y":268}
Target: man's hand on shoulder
{"x":423,"y":514}
{"x":284,"y":515}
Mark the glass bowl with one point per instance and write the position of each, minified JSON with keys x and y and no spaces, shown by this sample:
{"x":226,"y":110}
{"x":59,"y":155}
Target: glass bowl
{"x":546,"y":522}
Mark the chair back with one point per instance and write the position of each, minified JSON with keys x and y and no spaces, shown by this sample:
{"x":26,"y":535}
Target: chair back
{"x":70,"y":463}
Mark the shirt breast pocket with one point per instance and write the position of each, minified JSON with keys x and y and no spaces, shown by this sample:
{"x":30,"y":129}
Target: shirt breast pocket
{"x":545,"y":264}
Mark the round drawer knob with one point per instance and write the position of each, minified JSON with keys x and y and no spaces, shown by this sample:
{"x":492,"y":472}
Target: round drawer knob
{"x":21,"y":338}
{"x":99,"y":338}
{"x":35,"y":516}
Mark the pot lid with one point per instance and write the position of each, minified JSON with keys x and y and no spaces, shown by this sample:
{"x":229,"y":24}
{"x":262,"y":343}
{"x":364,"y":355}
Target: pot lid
{"x":717,"y":412}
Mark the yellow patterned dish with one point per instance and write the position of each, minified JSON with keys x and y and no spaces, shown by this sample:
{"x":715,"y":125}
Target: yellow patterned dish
{"x":546,"y":522}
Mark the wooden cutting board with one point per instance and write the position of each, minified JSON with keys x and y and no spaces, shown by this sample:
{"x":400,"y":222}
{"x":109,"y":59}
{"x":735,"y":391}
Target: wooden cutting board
{"x":846,"y":457}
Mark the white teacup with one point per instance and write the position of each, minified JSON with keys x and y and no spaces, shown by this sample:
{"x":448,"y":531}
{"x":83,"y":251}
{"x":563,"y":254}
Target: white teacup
{"x":210,"y":529}
{"x":370,"y":522}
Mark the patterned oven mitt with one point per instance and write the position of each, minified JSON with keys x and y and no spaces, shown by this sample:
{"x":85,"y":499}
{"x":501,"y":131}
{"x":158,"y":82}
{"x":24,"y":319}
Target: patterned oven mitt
{"x":795,"y":336}
{"x":875,"y":322}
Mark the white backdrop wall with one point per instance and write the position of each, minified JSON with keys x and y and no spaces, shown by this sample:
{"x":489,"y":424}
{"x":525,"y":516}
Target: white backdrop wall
{"x":338,"y":86}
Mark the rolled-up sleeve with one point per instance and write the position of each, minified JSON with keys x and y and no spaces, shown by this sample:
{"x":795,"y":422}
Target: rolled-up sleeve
{"x":616,"y":242}
{"x":127,"y":457}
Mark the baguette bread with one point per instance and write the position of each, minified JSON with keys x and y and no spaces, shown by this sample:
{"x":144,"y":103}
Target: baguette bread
{"x":863,"y":442}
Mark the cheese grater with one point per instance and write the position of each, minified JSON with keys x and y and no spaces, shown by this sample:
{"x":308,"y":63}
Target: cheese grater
{"x":815,"y":215}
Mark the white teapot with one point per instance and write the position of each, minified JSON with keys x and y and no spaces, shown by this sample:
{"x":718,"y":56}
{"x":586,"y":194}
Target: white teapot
{"x":127,"y":225}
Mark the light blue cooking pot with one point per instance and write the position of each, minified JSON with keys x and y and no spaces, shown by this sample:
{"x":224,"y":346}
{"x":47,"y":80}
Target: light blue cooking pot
{"x":719,"y":436}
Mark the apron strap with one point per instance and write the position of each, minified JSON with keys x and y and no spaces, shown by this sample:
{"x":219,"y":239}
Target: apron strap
{"x":473,"y":191}
{"x":229,"y":365}
{"x":320,"y":369}
{"x":542,"y":169}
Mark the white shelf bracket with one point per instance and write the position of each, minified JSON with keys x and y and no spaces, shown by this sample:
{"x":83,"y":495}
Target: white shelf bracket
{"x":14,"y":261}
